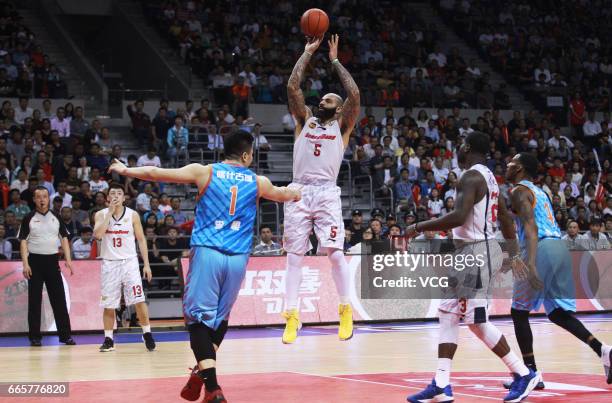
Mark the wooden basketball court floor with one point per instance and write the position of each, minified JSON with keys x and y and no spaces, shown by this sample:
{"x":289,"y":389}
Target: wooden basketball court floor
{"x":381,"y":363}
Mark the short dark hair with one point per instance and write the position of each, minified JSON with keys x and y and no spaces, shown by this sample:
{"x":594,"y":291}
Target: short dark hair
{"x":478,"y":142}
{"x":116,"y":185}
{"x":395,"y":226}
{"x":237,"y":143}
{"x":530,"y":163}
{"x":595,"y":221}
{"x":40,"y":188}
{"x":264,"y":226}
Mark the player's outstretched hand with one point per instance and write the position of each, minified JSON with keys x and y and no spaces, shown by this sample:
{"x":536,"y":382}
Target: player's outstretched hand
{"x":313,"y":44}
{"x":146,"y":273}
{"x":519,"y":268}
{"x":297,"y":194}
{"x":117,"y":166}
{"x":333,"y":47}
{"x":410,"y":231}
{"x":534,"y":279}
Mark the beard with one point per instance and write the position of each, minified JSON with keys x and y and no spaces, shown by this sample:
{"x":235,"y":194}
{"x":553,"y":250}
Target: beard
{"x":325,"y":114}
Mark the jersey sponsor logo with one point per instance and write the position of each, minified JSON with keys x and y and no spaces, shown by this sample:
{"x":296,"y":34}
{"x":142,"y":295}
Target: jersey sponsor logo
{"x":312,"y":125}
{"x":219,"y":224}
{"x":117,"y":232}
{"x":237,"y":176}
{"x":320,"y":137}
{"x":235,"y":225}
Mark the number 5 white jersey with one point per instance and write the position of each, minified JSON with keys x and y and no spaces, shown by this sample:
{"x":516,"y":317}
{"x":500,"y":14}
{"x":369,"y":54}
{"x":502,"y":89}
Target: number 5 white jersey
{"x":481,"y":215}
{"x":318,"y":152}
{"x":119,"y":242}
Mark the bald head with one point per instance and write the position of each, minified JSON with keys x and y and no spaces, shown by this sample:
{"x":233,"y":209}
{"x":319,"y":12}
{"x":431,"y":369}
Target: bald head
{"x":337,"y":98}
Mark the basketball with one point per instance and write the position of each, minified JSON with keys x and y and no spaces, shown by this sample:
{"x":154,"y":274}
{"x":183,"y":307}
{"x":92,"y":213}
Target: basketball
{"x":314,"y":22}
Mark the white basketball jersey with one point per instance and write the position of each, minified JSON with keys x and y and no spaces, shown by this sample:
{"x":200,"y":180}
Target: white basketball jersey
{"x":474,"y":226}
{"x":318,"y":152}
{"x":119,"y":242}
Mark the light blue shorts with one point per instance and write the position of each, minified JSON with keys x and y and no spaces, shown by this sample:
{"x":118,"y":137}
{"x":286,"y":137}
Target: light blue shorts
{"x":554,"y":266}
{"x":212,"y":285}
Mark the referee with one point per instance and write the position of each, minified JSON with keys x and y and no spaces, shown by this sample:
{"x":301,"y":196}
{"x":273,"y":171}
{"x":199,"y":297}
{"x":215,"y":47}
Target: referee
{"x":38,"y":235}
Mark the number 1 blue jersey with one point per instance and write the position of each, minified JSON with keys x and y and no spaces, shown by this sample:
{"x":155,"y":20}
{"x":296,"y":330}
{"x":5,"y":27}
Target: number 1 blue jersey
{"x":542,"y":213}
{"x":225,"y":211}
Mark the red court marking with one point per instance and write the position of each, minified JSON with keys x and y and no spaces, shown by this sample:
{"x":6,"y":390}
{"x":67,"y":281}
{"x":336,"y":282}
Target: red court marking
{"x":290,"y":387}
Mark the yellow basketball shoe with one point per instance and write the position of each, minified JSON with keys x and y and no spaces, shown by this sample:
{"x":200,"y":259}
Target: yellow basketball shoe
{"x":345,"y":330}
{"x":292,"y":326}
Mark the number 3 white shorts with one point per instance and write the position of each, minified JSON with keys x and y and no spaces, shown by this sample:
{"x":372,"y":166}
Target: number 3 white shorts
{"x":118,"y":275}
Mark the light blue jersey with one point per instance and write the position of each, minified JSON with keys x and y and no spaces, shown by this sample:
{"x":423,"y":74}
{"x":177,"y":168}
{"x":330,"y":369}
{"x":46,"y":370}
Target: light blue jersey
{"x":225,"y":212}
{"x":543,"y":215}
{"x":553,"y":262}
{"x":221,"y":241}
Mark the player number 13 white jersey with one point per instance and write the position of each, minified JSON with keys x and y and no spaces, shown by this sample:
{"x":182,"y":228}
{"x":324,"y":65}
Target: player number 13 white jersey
{"x":119,"y":242}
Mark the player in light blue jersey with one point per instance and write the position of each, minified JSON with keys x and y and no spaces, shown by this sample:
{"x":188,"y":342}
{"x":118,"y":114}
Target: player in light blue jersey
{"x":221,"y":242}
{"x":548,"y":263}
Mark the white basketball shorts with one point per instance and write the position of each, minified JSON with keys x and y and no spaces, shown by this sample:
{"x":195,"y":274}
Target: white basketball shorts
{"x":117,"y":276}
{"x":320,"y":209}
{"x":464,"y":300}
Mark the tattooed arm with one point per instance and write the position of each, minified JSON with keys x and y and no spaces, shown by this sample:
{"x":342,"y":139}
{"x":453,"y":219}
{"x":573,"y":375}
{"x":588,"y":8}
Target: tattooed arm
{"x":295,"y":96}
{"x":350,"y":108}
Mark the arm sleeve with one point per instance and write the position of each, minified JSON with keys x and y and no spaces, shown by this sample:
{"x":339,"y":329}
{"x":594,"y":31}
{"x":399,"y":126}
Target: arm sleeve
{"x":24,"y":229}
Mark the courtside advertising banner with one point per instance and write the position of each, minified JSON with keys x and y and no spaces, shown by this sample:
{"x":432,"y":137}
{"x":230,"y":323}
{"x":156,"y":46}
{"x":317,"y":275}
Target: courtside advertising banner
{"x":260,"y":301}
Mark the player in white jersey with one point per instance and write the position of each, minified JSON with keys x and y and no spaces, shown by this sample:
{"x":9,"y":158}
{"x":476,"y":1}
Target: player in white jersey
{"x":118,"y":228}
{"x":474,"y":221}
{"x":320,"y":141}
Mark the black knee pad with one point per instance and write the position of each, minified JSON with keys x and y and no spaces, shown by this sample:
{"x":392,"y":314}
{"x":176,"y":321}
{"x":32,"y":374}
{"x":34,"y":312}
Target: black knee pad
{"x":559,"y":317}
{"x":201,"y":342}
{"x":518,"y":314}
{"x":218,"y":335}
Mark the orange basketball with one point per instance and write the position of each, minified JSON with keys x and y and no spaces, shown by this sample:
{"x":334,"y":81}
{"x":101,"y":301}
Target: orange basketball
{"x":314,"y":22}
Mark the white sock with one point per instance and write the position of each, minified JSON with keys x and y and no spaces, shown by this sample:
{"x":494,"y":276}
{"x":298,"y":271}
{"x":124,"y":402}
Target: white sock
{"x":108,"y":333}
{"x":341,"y":275}
{"x":443,"y":372}
{"x":146,"y":329}
{"x":515,"y":364}
{"x":293,"y":279}
{"x":605,"y":354}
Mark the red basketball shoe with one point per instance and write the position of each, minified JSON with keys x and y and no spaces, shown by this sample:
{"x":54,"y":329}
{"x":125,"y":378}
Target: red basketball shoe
{"x":192,"y":389}
{"x":216,"y":396}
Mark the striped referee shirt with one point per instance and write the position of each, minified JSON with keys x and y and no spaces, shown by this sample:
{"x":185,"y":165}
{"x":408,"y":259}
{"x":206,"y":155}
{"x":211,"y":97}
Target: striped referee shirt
{"x":42,"y":231}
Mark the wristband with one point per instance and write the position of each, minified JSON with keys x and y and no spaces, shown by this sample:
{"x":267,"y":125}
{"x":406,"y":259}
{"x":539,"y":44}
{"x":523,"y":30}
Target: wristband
{"x":308,"y":53}
{"x":336,"y":61}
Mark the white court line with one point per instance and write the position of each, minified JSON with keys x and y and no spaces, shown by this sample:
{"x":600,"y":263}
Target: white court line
{"x":387,"y":384}
{"x":302,"y":330}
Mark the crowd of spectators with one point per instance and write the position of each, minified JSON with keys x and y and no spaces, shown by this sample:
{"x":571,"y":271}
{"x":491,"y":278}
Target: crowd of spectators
{"x":546,"y":47}
{"x":174,"y":134}
{"x":25,"y":70}
{"x":60,"y":149}
{"x":412,"y":161}
{"x":248,"y":53}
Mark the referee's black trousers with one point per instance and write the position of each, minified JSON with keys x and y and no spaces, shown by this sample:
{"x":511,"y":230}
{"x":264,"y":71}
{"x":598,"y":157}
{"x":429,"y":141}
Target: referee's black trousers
{"x":46,"y":270}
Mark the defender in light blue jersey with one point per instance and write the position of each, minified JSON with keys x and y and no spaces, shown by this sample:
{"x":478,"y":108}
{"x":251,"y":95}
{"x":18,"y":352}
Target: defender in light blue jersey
{"x":221,"y":242}
{"x":549,"y":265}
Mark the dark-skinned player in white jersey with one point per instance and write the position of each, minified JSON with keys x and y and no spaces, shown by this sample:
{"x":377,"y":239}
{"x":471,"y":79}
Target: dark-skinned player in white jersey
{"x":478,"y":208}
